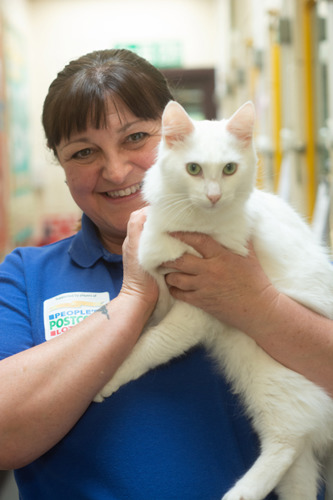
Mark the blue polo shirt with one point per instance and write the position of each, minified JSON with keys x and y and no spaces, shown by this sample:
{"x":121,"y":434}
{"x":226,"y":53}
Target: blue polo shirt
{"x":176,"y":433}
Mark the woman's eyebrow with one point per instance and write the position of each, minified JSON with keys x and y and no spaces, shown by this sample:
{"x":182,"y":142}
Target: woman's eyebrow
{"x":80,"y":139}
{"x":130,"y":124}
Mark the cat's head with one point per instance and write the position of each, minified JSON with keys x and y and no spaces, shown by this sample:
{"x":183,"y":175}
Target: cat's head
{"x":211,"y":163}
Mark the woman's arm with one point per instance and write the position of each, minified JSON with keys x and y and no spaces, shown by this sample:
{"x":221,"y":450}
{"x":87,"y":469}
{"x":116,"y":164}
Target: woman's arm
{"x":46,"y":389}
{"x":236,"y":290}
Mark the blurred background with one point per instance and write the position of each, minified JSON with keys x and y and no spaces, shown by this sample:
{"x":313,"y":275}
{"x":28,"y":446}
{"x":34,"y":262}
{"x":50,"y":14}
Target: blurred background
{"x":217,"y":54}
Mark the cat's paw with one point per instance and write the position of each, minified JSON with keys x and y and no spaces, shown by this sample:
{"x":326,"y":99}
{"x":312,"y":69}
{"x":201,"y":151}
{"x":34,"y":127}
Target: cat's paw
{"x":237,"y":493}
{"x":232,"y":497}
{"x":107,"y":390}
{"x":98,"y":398}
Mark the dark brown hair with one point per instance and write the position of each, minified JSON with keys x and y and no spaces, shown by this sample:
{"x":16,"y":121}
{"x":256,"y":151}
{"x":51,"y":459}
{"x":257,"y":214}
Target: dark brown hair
{"x":79,"y":94}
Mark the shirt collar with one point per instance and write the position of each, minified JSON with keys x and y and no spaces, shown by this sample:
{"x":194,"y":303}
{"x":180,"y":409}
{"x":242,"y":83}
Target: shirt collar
{"x":86,"y":248}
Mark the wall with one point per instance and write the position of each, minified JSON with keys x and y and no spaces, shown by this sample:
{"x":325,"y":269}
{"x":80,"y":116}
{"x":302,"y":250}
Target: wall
{"x":240,"y":38}
{"x":16,"y":186}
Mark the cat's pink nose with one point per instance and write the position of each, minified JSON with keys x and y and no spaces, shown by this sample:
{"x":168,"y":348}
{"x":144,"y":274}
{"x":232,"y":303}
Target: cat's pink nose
{"x":214,"y":198}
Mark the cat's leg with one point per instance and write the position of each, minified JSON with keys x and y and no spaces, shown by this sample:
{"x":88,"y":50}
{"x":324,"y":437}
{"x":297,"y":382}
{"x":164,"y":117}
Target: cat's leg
{"x":275,"y":459}
{"x":180,"y":330}
{"x":164,"y":303}
{"x":156,"y":248}
{"x":301,"y":481}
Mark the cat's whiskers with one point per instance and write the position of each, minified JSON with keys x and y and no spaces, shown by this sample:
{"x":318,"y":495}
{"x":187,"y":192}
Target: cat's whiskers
{"x":176,"y":206}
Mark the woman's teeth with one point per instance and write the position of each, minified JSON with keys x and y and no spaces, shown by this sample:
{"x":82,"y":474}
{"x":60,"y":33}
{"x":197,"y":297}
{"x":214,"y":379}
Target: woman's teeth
{"x":125,"y":192}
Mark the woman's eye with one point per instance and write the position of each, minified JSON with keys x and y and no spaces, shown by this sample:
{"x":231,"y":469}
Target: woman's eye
{"x":137,"y":136}
{"x":136,"y":140}
{"x":83,"y":154}
{"x":230,"y":168}
{"x":193,"y":168}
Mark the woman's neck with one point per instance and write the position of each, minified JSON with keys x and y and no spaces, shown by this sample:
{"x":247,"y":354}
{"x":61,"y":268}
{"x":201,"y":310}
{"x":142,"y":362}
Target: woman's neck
{"x":112,"y":244}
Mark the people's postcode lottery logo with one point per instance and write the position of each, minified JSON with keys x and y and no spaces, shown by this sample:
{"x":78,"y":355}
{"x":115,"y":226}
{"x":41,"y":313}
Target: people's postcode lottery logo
{"x":68,"y":309}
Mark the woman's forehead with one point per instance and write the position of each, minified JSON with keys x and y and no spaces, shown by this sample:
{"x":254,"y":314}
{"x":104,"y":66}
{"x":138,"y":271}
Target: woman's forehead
{"x":100,"y":116}
{"x":115,"y":107}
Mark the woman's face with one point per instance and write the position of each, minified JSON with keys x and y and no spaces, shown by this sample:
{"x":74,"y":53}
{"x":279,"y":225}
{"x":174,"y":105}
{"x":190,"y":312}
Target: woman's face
{"x":104,"y":170}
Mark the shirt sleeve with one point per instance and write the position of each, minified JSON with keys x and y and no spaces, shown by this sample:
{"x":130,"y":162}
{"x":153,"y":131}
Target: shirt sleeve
{"x":15,"y":321}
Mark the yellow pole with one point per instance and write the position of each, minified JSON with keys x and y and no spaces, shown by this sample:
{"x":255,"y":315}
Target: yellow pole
{"x":309,"y":101}
{"x":254,"y":77}
{"x":276,"y":108}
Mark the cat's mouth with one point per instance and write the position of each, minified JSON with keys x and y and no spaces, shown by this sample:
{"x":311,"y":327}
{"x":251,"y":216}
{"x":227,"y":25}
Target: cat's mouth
{"x":121,"y":193}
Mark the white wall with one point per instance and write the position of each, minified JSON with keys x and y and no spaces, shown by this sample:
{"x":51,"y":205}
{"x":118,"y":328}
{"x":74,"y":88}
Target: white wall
{"x":61,"y":30}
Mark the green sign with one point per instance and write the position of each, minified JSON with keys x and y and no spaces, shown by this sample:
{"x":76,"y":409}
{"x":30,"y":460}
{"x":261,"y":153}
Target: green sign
{"x":166,"y":54}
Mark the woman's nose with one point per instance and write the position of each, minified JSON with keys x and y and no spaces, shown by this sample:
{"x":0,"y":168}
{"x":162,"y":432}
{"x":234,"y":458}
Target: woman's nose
{"x":116,"y":168}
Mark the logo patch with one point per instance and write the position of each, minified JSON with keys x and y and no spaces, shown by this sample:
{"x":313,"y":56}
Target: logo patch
{"x":64,"y":311}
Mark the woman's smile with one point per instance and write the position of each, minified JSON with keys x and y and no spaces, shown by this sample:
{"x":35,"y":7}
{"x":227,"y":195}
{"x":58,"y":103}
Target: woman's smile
{"x":125,"y":192}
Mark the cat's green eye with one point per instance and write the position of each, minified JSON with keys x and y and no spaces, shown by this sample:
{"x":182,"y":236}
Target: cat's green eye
{"x":230,"y":168}
{"x":193,"y":168}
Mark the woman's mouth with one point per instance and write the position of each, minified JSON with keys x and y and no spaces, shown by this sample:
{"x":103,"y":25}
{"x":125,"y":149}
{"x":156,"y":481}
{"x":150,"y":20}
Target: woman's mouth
{"x":121,"y":193}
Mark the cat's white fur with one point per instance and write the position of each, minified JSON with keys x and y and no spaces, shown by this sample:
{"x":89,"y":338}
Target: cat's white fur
{"x":292,"y":416}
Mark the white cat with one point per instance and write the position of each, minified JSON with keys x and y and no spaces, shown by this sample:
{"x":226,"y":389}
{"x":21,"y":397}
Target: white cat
{"x":203,"y":181}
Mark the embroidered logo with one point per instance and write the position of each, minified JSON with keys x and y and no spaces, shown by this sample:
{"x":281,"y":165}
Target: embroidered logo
{"x":64,"y":311}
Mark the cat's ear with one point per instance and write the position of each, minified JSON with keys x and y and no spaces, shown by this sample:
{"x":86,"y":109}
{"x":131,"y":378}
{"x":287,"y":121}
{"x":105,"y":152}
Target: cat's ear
{"x":176,"y":123}
{"x":241,"y":123}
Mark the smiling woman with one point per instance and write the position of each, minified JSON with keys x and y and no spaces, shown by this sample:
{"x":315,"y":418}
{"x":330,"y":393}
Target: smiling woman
{"x":102,"y":120}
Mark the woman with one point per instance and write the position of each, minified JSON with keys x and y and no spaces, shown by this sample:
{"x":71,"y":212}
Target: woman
{"x":72,"y":311}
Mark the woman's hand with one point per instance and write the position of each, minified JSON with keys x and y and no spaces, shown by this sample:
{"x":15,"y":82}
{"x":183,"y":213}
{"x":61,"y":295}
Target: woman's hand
{"x":137,"y":282}
{"x":224,"y":284}
{"x":236,"y":291}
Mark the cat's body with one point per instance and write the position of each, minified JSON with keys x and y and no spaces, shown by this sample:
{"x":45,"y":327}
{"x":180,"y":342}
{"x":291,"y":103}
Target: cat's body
{"x":292,"y":416}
